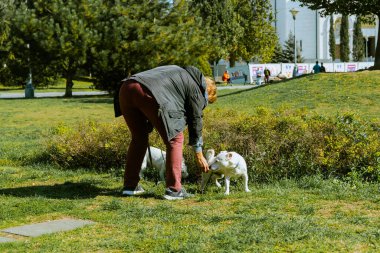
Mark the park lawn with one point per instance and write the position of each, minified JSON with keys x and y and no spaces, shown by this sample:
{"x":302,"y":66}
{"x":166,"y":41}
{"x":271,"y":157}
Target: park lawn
{"x":308,"y":215}
{"x":327,"y":94}
{"x":58,"y":86}
{"x":24,"y":123}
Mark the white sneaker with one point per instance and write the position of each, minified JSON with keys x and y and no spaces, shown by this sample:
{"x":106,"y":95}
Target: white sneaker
{"x":138,"y":190}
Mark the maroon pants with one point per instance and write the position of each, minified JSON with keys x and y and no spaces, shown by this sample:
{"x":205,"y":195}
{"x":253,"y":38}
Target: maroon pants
{"x":137,"y":106}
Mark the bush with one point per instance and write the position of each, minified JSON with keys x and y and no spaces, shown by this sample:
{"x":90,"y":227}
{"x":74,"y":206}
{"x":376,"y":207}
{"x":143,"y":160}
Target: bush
{"x":92,"y":145}
{"x":294,"y":144}
{"x":276,"y":145}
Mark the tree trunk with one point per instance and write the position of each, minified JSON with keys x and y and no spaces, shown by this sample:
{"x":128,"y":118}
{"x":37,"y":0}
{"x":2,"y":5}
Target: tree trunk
{"x":232,"y":60}
{"x":377,"y":54}
{"x":69,"y":86}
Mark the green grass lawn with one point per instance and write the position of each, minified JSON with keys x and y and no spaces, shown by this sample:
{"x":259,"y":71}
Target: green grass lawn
{"x":311,"y":215}
{"x":326,"y":94}
{"x":25,"y":122}
{"x":307,"y":215}
{"x":59,"y":86}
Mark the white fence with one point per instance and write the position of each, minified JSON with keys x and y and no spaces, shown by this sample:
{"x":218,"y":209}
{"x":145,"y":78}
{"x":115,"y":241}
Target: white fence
{"x":238,"y":73}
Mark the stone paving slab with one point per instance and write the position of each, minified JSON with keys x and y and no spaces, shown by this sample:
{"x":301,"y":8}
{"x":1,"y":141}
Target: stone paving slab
{"x":38,"y":229}
{"x":6,"y":239}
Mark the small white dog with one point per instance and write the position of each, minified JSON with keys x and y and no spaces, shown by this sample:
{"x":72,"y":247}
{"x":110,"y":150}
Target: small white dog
{"x":158,"y":162}
{"x":227,"y":164}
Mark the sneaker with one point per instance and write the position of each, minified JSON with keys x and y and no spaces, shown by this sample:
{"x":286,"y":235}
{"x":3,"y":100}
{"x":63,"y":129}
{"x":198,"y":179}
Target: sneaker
{"x":138,"y":190}
{"x":172,"y":195}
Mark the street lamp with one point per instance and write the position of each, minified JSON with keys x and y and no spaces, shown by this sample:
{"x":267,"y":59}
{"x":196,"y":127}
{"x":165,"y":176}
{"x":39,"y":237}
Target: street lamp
{"x":294,"y":13}
{"x":29,"y":90}
{"x":366,"y":48}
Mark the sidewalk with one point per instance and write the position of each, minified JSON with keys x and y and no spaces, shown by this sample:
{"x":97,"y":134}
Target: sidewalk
{"x":94,"y":93}
{"x":231,"y":87}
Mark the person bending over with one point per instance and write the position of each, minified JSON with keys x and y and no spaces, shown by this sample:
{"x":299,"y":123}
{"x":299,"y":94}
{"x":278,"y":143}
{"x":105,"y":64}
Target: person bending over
{"x":167,"y":98}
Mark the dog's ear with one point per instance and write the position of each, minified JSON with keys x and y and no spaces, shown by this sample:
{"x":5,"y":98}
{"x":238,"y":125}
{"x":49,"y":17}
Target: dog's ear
{"x":229,"y":156}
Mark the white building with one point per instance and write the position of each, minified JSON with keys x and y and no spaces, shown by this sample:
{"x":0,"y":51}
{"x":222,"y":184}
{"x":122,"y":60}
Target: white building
{"x":312,"y":31}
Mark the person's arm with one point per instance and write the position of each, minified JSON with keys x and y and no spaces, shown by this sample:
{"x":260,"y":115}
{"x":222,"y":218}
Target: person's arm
{"x":201,"y":161}
{"x":194,"y":114}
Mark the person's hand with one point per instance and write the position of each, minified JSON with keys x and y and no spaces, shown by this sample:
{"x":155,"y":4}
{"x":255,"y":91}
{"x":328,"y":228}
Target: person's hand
{"x":201,"y":162}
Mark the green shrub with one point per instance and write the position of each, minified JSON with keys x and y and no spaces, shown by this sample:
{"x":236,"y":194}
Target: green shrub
{"x":91,"y":145}
{"x":281,"y":144}
{"x":294,"y":144}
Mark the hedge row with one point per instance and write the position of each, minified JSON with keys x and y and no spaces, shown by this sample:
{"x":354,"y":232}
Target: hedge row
{"x":275,"y":145}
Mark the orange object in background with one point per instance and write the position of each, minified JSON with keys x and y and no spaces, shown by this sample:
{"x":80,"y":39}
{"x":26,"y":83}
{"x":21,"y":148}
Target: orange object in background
{"x":226,"y":76}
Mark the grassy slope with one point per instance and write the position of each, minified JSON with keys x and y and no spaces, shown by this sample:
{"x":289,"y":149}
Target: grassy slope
{"x":282,"y":217}
{"x":327,"y":94}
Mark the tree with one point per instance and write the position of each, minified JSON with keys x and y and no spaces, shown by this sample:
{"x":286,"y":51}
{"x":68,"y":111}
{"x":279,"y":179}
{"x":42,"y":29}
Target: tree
{"x":14,"y":59}
{"x":358,"y":45}
{"x":278,"y":55}
{"x":242,"y":29}
{"x":344,"y":40}
{"x":363,"y":8}
{"x":109,"y":38}
{"x":58,"y":32}
{"x":259,"y":38}
{"x":218,"y":14}
{"x":5,"y":21}
{"x":332,"y":38}
{"x":18,"y":52}
{"x":138,"y":35}
{"x":288,"y":51}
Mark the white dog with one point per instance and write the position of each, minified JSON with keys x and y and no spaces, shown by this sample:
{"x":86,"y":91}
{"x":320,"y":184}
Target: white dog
{"x":158,"y":162}
{"x":227,"y":164}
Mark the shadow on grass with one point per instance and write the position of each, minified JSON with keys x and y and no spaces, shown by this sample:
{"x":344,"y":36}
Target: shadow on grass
{"x":96,"y":99}
{"x":67,"y":190}
{"x":13,"y":89}
{"x":63,"y":88}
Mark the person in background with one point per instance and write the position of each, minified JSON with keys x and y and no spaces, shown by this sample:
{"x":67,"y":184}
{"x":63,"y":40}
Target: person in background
{"x":167,"y":98}
{"x":323,"y":69}
{"x":259,"y":74}
{"x":245,"y":78}
{"x":316,"y":68}
{"x":226,"y":77}
{"x":295,"y":71}
{"x":266,"y":75}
